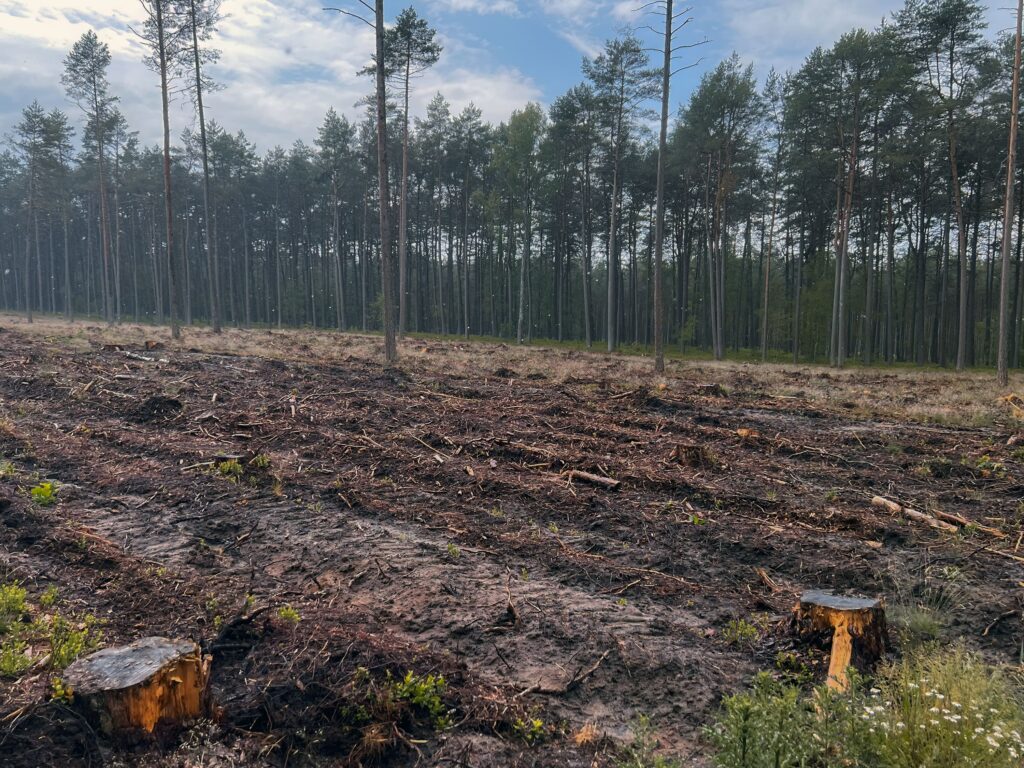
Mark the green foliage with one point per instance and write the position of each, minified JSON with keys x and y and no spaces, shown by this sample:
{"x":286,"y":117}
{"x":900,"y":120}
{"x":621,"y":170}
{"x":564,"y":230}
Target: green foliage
{"x":453,"y":551}
{"x":792,"y":670}
{"x":989,"y":467}
{"x":288,"y":614}
{"x":49,"y":597}
{"x":260,"y":461}
{"x":923,"y":615}
{"x":529,"y":729}
{"x":70,"y":640}
{"x":937,"y":707}
{"x":67,"y":640}
{"x":44,"y":494}
{"x":12,"y":604}
{"x":231,"y":469}
{"x":60,"y":692}
{"x":7,"y":470}
{"x":740,"y":632}
{"x":425,"y":693}
{"x":641,"y":753}
{"x":13,"y":656}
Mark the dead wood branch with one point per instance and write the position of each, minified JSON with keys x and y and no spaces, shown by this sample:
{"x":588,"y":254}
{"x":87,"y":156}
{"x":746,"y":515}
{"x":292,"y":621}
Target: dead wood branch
{"x":599,"y":480}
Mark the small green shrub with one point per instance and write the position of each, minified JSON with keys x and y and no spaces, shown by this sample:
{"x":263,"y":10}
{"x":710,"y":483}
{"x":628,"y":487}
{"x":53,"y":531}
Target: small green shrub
{"x":923,"y":615}
{"x":70,"y":640}
{"x":49,"y":597}
{"x":12,"y":605}
{"x":740,"y":632}
{"x":792,"y":670}
{"x":260,"y":461}
{"x":529,"y":729}
{"x":989,"y":467}
{"x":44,"y":494}
{"x":934,"y":708}
{"x":425,"y":692}
{"x":288,"y":614}
{"x":14,"y":658}
{"x":232,"y":469}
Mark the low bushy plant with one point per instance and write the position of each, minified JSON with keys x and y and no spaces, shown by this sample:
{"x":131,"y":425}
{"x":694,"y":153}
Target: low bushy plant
{"x":936,"y":707}
{"x":44,"y":494}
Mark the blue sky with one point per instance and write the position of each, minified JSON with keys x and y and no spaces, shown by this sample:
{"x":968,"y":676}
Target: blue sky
{"x":285,"y":62}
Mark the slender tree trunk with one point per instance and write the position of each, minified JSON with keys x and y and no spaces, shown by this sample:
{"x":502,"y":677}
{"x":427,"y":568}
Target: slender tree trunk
{"x":524,"y":266}
{"x":659,"y":225}
{"x":212,"y":272}
{"x":403,"y":214}
{"x":588,"y":247}
{"x":384,"y":186}
{"x":68,"y":304}
{"x":961,"y":247}
{"x":1011,"y":165}
{"x":99,"y":117}
{"x":613,"y":262}
{"x":768,"y":251}
{"x":168,"y":201}
{"x":27,"y":279}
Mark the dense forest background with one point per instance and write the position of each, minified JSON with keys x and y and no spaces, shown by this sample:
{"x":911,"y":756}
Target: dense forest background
{"x":849,"y":209}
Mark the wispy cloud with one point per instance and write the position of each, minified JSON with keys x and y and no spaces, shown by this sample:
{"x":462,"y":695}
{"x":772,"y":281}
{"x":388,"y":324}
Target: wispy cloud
{"x":782,"y":33}
{"x":581,"y":43}
{"x":571,"y":9}
{"x":508,"y":7}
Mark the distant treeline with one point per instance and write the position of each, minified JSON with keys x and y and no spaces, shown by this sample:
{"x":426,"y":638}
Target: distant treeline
{"x":850,"y":208}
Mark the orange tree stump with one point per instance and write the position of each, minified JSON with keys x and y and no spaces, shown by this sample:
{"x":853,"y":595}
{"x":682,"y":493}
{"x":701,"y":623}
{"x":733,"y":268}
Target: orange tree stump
{"x":133,"y":688}
{"x":856,"y":626}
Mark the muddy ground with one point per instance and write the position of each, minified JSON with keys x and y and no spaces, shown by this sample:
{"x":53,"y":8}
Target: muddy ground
{"x":424,"y":519}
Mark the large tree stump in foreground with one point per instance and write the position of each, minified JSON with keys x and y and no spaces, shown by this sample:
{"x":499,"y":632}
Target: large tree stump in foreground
{"x":133,"y":688}
{"x":855,"y":624}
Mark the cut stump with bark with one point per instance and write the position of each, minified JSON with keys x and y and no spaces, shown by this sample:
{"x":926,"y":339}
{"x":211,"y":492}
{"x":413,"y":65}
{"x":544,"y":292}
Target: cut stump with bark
{"x":131,"y":689}
{"x":856,"y":626}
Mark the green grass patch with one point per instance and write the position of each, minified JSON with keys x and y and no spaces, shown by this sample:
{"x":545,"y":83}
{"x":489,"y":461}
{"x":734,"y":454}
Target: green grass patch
{"x":936,"y":707}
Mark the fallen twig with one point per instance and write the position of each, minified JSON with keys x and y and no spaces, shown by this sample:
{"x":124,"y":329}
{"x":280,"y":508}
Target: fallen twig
{"x":913,"y":514}
{"x":996,"y":620}
{"x":587,"y":477}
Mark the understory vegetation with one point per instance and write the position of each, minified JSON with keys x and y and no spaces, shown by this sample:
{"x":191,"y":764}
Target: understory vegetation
{"x":937,"y":706}
{"x":41,"y":636}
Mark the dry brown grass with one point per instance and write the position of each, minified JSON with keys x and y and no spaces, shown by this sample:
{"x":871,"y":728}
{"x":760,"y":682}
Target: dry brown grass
{"x":966,"y":399}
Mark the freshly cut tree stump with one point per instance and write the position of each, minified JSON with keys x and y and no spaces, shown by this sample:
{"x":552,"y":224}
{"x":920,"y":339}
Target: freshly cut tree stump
{"x":133,"y":688}
{"x":855,"y":624}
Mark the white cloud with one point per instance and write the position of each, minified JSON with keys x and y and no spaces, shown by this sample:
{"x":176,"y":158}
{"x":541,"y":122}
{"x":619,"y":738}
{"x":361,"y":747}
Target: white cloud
{"x":496,"y":94}
{"x":625,"y":10}
{"x":508,"y":7}
{"x":571,"y":9}
{"x":782,"y":33}
{"x":581,"y":43}
{"x":283,"y":63}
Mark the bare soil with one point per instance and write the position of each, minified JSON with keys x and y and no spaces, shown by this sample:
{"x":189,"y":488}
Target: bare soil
{"x":423,"y":518}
